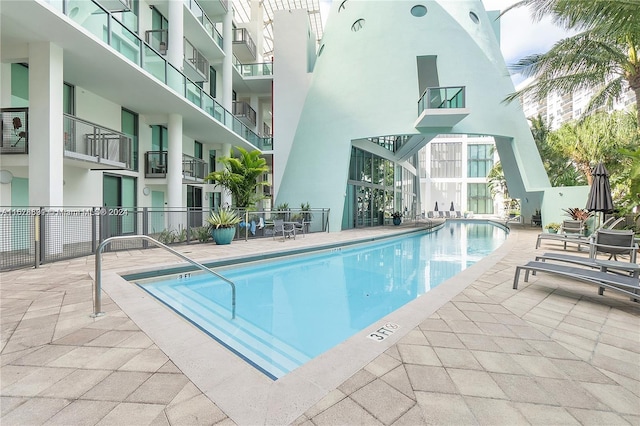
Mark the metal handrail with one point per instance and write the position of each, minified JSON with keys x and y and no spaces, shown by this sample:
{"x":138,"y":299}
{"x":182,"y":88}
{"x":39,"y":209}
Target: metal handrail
{"x":97,"y":287}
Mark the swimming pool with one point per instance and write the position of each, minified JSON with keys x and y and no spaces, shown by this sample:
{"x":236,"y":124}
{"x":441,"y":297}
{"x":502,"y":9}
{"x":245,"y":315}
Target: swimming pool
{"x":292,"y":309}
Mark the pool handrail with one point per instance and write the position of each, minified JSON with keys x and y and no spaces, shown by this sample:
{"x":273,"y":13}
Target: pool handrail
{"x":97,"y":287}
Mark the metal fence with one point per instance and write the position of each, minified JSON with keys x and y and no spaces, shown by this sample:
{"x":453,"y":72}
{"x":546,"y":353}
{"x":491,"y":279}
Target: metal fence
{"x":30,"y":236}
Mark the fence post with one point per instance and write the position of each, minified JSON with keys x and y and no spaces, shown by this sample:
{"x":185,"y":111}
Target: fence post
{"x":37,"y":240}
{"x":145,"y":226}
{"x":96,"y":212}
{"x":190,"y":210}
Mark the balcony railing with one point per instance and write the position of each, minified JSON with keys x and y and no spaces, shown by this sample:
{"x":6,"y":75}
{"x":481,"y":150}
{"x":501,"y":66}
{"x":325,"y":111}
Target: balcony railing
{"x":158,"y":39}
{"x":111,"y":31}
{"x":193,"y":168}
{"x":242,"y":36}
{"x":442,"y":97}
{"x":155,"y":164}
{"x":202,"y":17}
{"x":196,"y":60}
{"x":255,"y":70}
{"x":15,"y":131}
{"x":93,"y":143}
{"x":244,"y":111}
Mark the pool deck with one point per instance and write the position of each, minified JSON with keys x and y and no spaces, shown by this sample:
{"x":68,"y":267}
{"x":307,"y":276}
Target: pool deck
{"x":474,"y":351}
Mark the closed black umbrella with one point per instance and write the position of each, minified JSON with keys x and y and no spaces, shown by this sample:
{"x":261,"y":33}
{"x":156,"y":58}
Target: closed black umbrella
{"x":436,"y":207}
{"x":600,"y":194}
{"x":452,"y":208}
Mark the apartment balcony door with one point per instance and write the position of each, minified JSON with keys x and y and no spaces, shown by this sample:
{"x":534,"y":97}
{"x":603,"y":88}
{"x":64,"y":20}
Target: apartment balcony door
{"x":119,"y":200}
{"x":194,"y":206}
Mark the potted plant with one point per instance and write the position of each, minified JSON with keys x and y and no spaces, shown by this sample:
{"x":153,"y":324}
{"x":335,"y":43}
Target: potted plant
{"x":397,"y":218}
{"x":553,"y":227}
{"x":223,"y":225}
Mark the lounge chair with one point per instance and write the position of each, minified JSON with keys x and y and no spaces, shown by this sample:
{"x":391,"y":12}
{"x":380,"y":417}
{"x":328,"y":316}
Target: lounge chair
{"x":589,"y":262}
{"x":573,"y":237}
{"x":629,"y":285}
{"x":615,"y":243}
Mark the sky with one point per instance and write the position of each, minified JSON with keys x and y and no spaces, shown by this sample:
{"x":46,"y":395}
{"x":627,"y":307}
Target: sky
{"x":520,"y":36}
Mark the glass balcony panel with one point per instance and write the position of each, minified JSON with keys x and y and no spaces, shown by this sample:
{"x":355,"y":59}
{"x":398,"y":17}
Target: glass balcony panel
{"x":158,"y":39}
{"x":207,"y":104}
{"x":218,"y":112}
{"x":175,"y":79}
{"x":442,"y":97}
{"x":125,"y":42}
{"x":155,"y":64}
{"x":194,"y":93}
{"x":155,"y":164}
{"x":89,"y":16}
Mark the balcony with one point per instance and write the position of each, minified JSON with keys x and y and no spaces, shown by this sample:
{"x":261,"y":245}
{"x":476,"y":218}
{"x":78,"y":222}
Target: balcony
{"x":214,"y":7}
{"x":196,"y":65}
{"x":116,"y":5}
{"x":158,"y":39}
{"x":254,"y":70}
{"x":201,"y":16}
{"x":441,"y":107}
{"x":194,"y":169}
{"x":244,"y":47}
{"x":92,"y":146}
{"x":155,"y":164}
{"x":245,"y":113}
{"x":15,"y":131}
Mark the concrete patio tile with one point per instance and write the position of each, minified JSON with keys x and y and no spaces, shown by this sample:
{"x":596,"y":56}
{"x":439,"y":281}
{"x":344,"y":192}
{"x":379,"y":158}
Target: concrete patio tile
{"x":551,"y":349}
{"x":523,"y":389}
{"x":443,"y":339}
{"x":570,"y":394}
{"x":414,"y":354}
{"x":80,"y":357}
{"x":13,"y":373}
{"x":623,"y":368}
{"x":159,"y":389}
{"x":382,"y":365}
{"x":434,"y":324}
{"x":411,"y":418}
{"x":544,"y":415}
{"x":478,"y":341}
{"x":587,"y":333}
{"x":36,"y":381}
{"x":75,"y":384}
{"x":541,"y":319}
{"x":468,"y":306}
{"x":138,"y":340}
{"x":457,"y":358}
{"x":329,"y":400}
{"x":356,"y":381}
{"x":430,"y":379}
{"x":112,"y":338}
{"x":449,"y":313}
{"x":495,"y":308}
{"x":80,"y":413}
{"x":345,"y":412}
{"x":80,"y":337}
{"x":538,"y":366}
{"x":10,"y":403}
{"x":514,"y":346}
{"x":414,"y":337}
{"x":475,"y":383}
{"x":464,"y":326}
{"x":498,"y":362}
{"x":150,"y":360}
{"x":169,"y":367}
{"x":495,"y":411}
{"x":445,"y":409}
{"x":35,"y":411}
{"x":399,"y":379}
{"x":619,"y":354}
{"x":117,"y":386}
{"x":383,"y":401}
{"x":581,"y":371}
{"x":195,"y":411}
{"x":479,"y":316}
{"x":588,"y":417}
{"x":132,"y":414}
{"x":616,"y":397}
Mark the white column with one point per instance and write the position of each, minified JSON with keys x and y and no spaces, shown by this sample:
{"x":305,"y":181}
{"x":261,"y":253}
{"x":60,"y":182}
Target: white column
{"x":227,"y":62}
{"x":174,"y":169}
{"x":175,"y":49}
{"x":225,"y":197}
{"x":45,"y":125}
{"x":257,"y":21}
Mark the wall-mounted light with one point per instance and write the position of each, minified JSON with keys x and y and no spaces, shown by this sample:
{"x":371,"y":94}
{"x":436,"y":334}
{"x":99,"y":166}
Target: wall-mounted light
{"x":5,"y":176}
{"x":560,"y":193}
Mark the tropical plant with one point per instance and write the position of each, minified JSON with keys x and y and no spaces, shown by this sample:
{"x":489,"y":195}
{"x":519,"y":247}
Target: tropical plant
{"x":201,"y":233}
{"x":305,"y":209}
{"x":603,"y":55}
{"x":396,"y":215}
{"x":242,"y":176}
{"x":223,"y":218}
{"x":553,"y":225}
{"x":577,"y":213}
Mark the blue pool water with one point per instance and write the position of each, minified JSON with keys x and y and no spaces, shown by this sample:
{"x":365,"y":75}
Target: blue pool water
{"x":291,"y":310}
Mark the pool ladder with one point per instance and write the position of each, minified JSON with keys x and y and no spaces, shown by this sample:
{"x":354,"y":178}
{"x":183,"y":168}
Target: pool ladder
{"x":97,"y":287}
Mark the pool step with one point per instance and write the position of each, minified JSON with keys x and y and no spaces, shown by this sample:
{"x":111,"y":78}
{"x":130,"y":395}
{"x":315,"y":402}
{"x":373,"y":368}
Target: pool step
{"x":266,"y":352}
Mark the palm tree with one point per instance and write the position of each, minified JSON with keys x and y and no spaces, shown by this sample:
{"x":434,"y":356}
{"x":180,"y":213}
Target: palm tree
{"x":241,"y":177}
{"x":603,"y":55}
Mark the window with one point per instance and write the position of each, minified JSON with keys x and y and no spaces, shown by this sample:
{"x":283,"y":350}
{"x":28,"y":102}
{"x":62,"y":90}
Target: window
{"x":418,"y":10}
{"x":480,"y":160}
{"x":357,"y":26}
{"x":197,"y":150}
{"x":159,"y":138}
{"x":19,"y":85}
{"x":212,"y":82}
{"x":479,"y":198}
{"x":129,"y":125}
{"x":68,"y":99}
{"x":446,"y":160}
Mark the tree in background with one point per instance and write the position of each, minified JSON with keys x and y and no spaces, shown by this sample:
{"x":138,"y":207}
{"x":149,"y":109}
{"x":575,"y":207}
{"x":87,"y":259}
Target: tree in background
{"x":242,"y":176}
{"x":604,"y":55}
